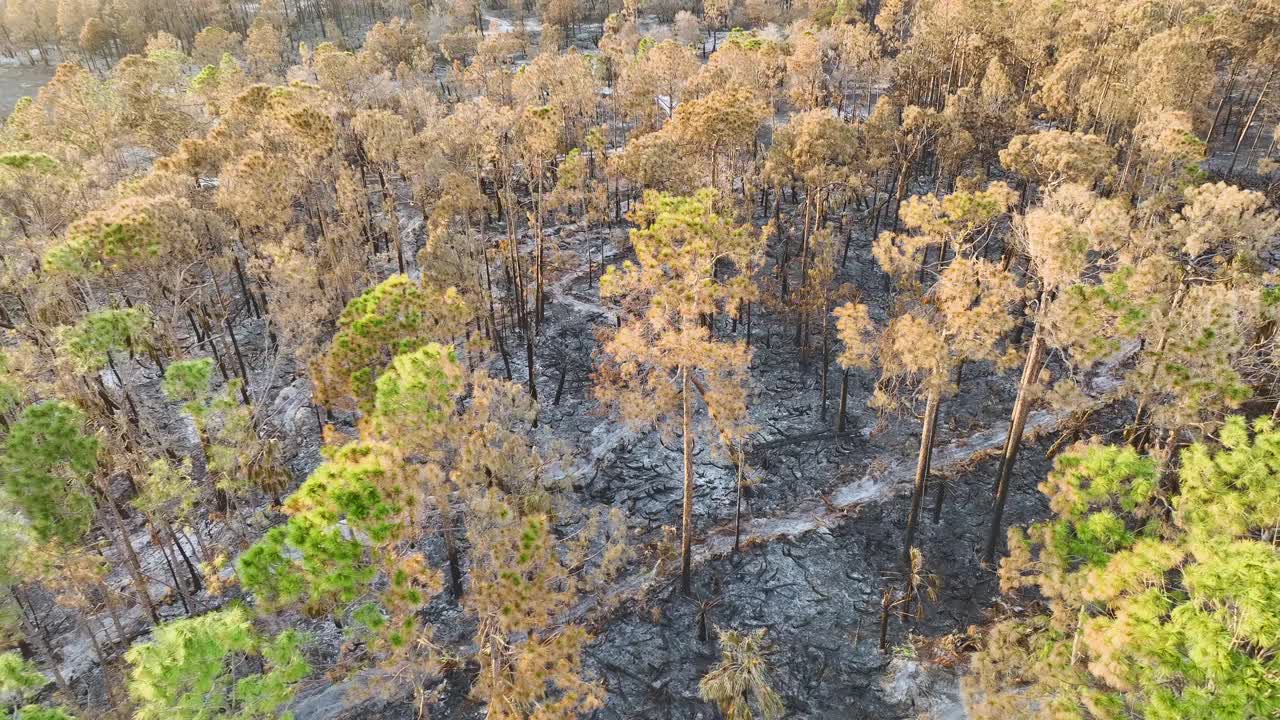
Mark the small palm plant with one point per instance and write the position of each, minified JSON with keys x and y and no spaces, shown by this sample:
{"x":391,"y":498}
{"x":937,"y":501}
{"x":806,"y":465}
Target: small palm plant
{"x":739,"y":684}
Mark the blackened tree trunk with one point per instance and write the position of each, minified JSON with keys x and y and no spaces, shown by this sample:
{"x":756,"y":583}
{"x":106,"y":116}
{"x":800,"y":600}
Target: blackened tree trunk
{"x":1017,"y":423}
{"x":923,"y":459}
{"x":686,"y":515}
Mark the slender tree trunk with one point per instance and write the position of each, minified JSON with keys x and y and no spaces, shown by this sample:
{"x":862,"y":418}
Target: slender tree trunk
{"x":1017,"y":423}
{"x":928,"y":425}
{"x":85,"y":628}
{"x":886,"y":604}
{"x":183,"y":596}
{"x":538,"y":302}
{"x":686,"y":516}
{"x":211,"y":345}
{"x":826,"y":355}
{"x":942,"y":483}
{"x":737,"y":505}
{"x":450,"y":546}
{"x":844,"y":402}
{"x":564,"y":368}
{"x":782,"y":238}
{"x":502,"y":345}
{"x":244,"y":287}
{"x":528,"y":354}
{"x":196,"y":583}
{"x":125,"y":544}
{"x":1217,"y":113}
{"x":244,"y":374}
{"x":51,"y":663}
{"x":1248,"y":123}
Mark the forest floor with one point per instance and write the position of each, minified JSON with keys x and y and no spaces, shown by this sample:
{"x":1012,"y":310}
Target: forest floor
{"x":18,"y":81}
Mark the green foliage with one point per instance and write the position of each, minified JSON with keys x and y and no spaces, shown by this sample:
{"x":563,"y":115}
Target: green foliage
{"x":1151,"y":614}
{"x":187,"y":381}
{"x":47,"y":463}
{"x":14,"y":540}
{"x":24,"y":160}
{"x":166,"y":489}
{"x":1232,"y":491}
{"x":207,"y":77}
{"x":100,"y":333}
{"x":19,"y":679}
{"x":745,"y":39}
{"x":42,"y":712}
{"x":239,"y":459}
{"x":134,"y":231}
{"x":325,"y":557}
{"x":190,"y":669}
{"x":10,"y":390}
{"x":397,"y":316}
{"x":419,"y":388}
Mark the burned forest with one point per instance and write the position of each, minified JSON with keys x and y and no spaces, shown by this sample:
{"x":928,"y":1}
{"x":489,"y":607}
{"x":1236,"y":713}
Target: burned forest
{"x":639,"y":359}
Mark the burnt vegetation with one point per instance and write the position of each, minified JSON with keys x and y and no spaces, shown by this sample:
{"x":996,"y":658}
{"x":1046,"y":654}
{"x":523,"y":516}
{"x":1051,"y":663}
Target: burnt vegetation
{"x":640,"y":358}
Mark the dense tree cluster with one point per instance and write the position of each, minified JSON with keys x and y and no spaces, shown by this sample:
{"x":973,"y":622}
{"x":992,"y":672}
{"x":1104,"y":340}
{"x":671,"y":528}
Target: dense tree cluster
{"x":282,"y":284}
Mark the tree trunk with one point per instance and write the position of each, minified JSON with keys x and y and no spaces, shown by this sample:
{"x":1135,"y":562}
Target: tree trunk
{"x":564,"y":368}
{"x":928,"y":425}
{"x":1217,"y":114}
{"x":183,"y":596}
{"x":244,"y":374}
{"x":686,"y":516}
{"x":125,"y":544}
{"x":196,"y":583}
{"x":1235,"y":154}
{"x":244,"y":287}
{"x":450,"y":546}
{"x":43,"y":645}
{"x":886,"y":604}
{"x":826,"y":355}
{"x":782,"y":237}
{"x":528,"y":353}
{"x":737,"y":506}
{"x":538,"y":316}
{"x":1021,"y":407}
{"x":844,"y":402}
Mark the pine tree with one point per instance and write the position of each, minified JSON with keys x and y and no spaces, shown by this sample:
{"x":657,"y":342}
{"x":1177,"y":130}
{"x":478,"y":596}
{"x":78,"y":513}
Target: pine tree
{"x":189,"y":669}
{"x":1159,"y":605}
{"x":238,"y":460}
{"x":19,"y":682}
{"x":962,"y":313}
{"x":666,"y":350}
{"x":1069,"y":240}
{"x":345,"y":534}
{"x":393,"y":317}
{"x":49,"y":464}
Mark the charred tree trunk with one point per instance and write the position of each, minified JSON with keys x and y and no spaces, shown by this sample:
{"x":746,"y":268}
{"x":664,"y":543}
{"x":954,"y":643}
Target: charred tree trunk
{"x":125,"y":545}
{"x":928,"y":425}
{"x":844,"y":402}
{"x":42,"y":644}
{"x":1017,"y":423}
{"x":450,"y":547}
{"x":686,"y":515}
